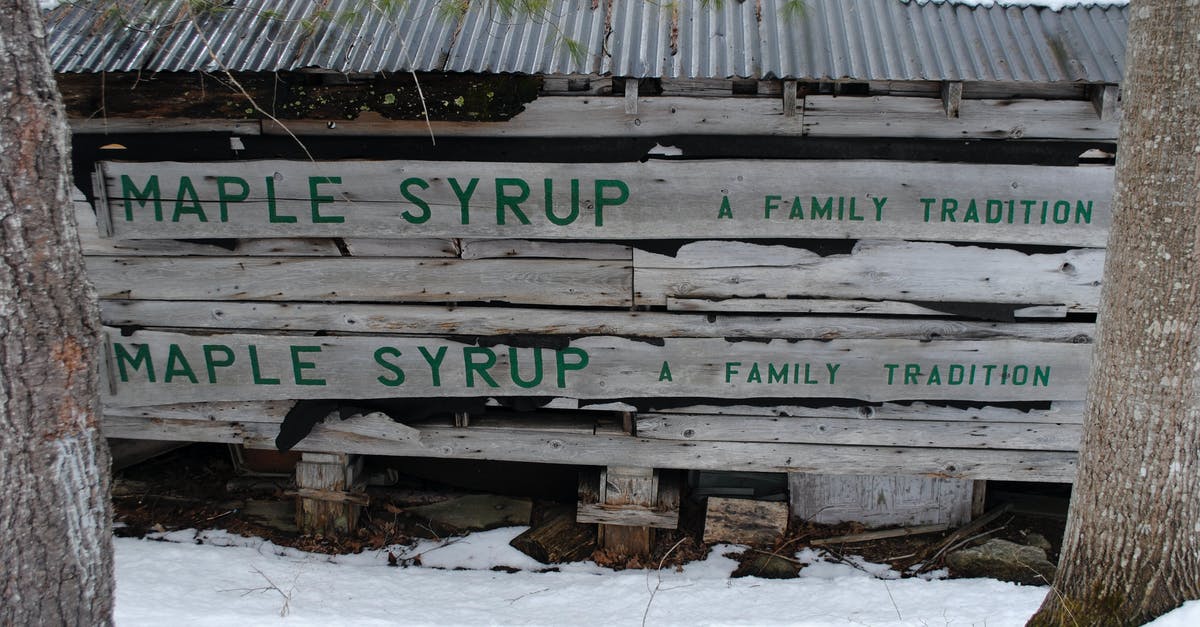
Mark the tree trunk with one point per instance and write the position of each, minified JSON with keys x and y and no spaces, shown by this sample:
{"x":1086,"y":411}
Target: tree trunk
{"x":55,"y":517}
{"x":1132,"y":547}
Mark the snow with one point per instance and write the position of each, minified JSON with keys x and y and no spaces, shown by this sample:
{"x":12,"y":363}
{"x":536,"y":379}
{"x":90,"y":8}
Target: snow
{"x":1053,"y":5}
{"x":215,"y":578}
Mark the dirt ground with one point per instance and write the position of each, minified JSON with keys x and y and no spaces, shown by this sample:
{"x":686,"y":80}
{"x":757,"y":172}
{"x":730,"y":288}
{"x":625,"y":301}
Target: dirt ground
{"x":199,"y":486}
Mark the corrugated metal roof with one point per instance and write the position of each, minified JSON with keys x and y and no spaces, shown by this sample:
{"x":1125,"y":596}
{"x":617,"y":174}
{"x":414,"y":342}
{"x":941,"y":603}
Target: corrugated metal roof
{"x":825,"y":40}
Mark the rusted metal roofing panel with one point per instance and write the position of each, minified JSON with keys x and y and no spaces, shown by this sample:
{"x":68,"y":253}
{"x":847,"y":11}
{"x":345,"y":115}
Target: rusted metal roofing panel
{"x":819,"y":40}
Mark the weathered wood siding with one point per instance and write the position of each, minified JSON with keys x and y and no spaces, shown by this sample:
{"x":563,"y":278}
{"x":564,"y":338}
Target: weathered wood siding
{"x":862,"y":337}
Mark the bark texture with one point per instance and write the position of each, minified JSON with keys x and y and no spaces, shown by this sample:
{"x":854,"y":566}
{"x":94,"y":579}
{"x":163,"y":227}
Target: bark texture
{"x":55,"y":518}
{"x":1132,"y":548}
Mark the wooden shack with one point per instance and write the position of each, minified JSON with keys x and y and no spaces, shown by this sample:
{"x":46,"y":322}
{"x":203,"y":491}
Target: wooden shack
{"x":860,"y":243}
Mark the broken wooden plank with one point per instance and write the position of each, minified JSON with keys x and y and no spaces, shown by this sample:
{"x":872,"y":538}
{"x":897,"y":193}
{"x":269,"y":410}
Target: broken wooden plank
{"x":526,"y":281}
{"x":599,"y":450}
{"x":828,"y":430}
{"x":837,"y":306}
{"x":869,"y":536}
{"x":910,"y":271}
{"x":657,"y":199}
{"x":152,"y":367}
{"x":473,"y":321}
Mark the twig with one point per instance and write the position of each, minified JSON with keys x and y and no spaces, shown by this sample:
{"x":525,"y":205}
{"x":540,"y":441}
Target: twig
{"x":514,"y":600}
{"x":658,"y":572}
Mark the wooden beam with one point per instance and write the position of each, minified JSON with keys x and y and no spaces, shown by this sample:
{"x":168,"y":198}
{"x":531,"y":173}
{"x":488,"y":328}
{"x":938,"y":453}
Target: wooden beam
{"x":1105,"y":100}
{"x":631,"y":490}
{"x":952,"y":98}
{"x":326,"y":502}
{"x":790,"y":101}
{"x":631,"y":96}
{"x":603,"y":449}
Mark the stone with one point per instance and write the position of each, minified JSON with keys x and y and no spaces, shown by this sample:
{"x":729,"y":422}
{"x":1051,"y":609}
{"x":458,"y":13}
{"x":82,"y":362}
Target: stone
{"x":477,"y":512}
{"x":1004,"y":560}
{"x":1038,"y":540}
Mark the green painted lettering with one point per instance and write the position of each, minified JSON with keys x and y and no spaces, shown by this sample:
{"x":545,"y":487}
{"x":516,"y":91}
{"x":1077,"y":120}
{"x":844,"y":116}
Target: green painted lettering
{"x":397,"y":372}
{"x":911,"y":373}
{"x":150,"y":192}
{"x":726,"y":211}
{"x":822,"y":210}
{"x":256,"y":371}
{"x":211,"y":364}
{"x":187,"y":192}
{"x":317,"y":199}
{"x":177,"y":365}
{"x":472,"y":368}
{"x":777,"y":376}
{"x":272,"y":212}
{"x":435,"y":363}
{"x":1083,"y":212}
{"x":464,"y":197}
{"x":603,"y":201}
{"x":832,"y":368}
{"x":891,"y":368}
{"x":1041,"y":376}
{"x":515,"y":369}
{"x":512,"y":202}
{"x":298,"y":367}
{"x":731,"y":369}
{"x":770,"y":203}
{"x":754,"y":376}
{"x":550,"y":215}
{"x":423,"y":216}
{"x":664,"y":373}
{"x":224,"y":197}
{"x":135,"y":361}
{"x":581,"y":362}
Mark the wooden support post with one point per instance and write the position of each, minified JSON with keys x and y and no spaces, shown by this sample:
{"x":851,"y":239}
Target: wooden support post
{"x":462,"y":419}
{"x":329,"y":495}
{"x":789,"y":99}
{"x":1104,"y":99}
{"x":631,"y":95}
{"x":952,"y":97}
{"x":621,"y":485}
{"x":978,"y":498}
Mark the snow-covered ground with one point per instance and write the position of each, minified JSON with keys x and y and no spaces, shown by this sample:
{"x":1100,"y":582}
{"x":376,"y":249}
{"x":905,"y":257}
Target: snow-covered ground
{"x":215,"y":578}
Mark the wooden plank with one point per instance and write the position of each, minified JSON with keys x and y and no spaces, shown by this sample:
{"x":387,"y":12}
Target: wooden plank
{"x":150,"y":428}
{"x":1059,"y":412}
{"x":260,"y":411}
{"x":325,"y":504}
{"x":519,"y":248}
{"x":662,"y":198}
{"x":879,"y":500}
{"x":1105,"y":101}
{"x":891,"y":116}
{"x":158,"y":368}
{"x":439,"y":320}
{"x":118,"y":125}
{"x":873,"y":432}
{"x":631,"y":96}
{"x":910,"y":271}
{"x":631,"y":491}
{"x":418,"y":247}
{"x":789,"y":98}
{"x":526,"y":281}
{"x":374,"y":425}
{"x":869,"y":536}
{"x":598,"y":450}
{"x":836,"y":306}
{"x":885,"y":116}
{"x":93,"y":243}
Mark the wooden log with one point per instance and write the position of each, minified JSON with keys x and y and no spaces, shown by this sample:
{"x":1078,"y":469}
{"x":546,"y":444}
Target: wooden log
{"x":829,"y":430}
{"x":325,"y":502}
{"x":474,"y":321}
{"x":880,"y":500}
{"x":557,"y":539}
{"x":1059,"y":206}
{"x":150,"y":367}
{"x":600,"y":449}
{"x":907,"y":271}
{"x":527,"y":281}
{"x":744,"y":521}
